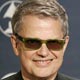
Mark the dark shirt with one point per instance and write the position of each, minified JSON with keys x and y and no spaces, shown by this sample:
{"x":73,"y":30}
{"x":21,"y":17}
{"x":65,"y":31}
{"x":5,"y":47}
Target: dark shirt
{"x":59,"y":76}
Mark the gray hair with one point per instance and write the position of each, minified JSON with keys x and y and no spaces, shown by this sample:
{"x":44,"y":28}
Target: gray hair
{"x":51,"y":8}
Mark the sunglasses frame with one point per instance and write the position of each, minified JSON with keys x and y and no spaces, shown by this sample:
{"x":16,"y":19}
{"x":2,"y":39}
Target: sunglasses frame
{"x":62,"y":41}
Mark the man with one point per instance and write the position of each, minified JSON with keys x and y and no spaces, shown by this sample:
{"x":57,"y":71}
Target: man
{"x":39,"y":39}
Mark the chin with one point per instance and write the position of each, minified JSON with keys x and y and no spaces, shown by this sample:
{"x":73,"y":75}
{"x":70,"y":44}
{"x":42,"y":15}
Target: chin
{"x":43,"y":75}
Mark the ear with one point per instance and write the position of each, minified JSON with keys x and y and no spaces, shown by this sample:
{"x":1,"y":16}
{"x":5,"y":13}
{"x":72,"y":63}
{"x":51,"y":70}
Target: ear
{"x":66,"y":42}
{"x":14,"y":44}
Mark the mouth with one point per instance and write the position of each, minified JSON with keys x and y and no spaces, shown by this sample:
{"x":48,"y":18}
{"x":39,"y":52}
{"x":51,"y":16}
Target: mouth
{"x":42,"y":63}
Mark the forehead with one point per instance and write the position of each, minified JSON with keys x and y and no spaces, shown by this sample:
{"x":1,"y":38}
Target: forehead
{"x":41,"y":27}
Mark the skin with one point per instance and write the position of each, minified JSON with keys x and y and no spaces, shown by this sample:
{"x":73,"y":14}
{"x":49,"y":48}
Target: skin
{"x":42,"y":63}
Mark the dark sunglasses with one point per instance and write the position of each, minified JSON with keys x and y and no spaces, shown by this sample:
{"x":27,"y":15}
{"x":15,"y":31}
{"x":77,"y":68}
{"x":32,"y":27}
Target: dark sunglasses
{"x":33,"y":43}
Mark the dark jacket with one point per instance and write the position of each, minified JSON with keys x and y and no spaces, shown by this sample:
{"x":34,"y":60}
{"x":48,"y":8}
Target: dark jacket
{"x":18,"y":76}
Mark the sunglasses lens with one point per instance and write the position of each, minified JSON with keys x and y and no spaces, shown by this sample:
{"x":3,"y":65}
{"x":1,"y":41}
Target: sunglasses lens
{"x":55,"y":44}
{"x":32,"y":44}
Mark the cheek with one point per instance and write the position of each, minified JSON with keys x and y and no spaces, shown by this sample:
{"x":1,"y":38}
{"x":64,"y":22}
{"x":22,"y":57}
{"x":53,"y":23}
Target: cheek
{"x":26,"y":60}
{"x":26,"y":56}
{"x":58,"y":54}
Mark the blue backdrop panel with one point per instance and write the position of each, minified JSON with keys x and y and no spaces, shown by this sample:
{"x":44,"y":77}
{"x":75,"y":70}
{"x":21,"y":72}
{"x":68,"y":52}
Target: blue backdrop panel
{"x":10,"y":63}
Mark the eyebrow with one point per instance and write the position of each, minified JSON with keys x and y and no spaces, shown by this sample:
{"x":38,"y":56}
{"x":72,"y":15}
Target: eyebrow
{"x":23,"y":38}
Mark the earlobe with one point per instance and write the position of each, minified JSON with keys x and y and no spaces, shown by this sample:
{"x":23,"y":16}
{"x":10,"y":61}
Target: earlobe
{"x":14,"y":44}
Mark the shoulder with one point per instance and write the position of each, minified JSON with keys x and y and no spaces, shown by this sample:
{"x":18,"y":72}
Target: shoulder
{"x":16,"y":76}
{"x":65,"y":77}
{"x":12,"y":77}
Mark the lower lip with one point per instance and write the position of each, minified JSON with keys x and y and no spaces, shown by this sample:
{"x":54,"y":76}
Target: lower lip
{"x":42,"y":63}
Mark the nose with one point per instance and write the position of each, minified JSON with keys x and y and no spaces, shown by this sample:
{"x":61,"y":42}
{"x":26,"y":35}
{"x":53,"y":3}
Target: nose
{"x":43,"y":51}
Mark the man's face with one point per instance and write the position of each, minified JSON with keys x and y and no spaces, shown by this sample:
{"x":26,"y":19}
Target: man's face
{"x":41,"y":62}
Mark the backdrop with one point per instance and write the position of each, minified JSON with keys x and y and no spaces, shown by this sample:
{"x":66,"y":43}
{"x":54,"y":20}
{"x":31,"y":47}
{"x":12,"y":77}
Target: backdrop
{"x":10,"y":63}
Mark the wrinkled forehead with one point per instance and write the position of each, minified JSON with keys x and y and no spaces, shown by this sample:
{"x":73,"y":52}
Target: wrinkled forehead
{"x":38,"y":26}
